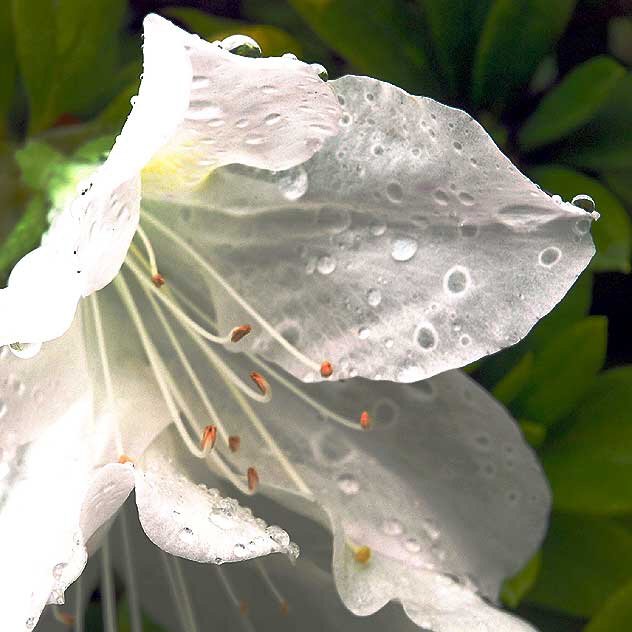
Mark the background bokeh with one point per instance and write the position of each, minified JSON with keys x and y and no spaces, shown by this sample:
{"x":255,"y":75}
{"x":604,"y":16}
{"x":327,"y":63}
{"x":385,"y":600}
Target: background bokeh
{"x":550,"y":80}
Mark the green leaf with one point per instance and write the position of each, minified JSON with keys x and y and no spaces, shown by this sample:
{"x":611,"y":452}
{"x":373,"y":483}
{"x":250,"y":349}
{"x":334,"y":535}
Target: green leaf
{"x":572,"y":103}
{"x":88,"y":52}
{"x":455,"y":27}
{"x":590,"y":466}
{"x":620,"y":182}
{"x":8,"y":67}
{"x":25,"y":236}
{"x":383,"y":42}
{"x":616,"y":614}
{"x":562,"y":370}
{"x":612,"y":232}
{"x":605,"y":143}
{"x":36,"y":47}
{"x":584,"y":560}
{"x":273,"y":41}
{"x":515,"y":588}
{"x":516,"y":35}
{"x":124,"y":619}
{"x":512,"y":384}
{"x":37,"y":162}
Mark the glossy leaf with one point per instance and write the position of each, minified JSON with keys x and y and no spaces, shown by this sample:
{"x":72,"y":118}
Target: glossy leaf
{"x":8,"y":66}
{"x":515,"y":381}
{"x":590,"y":466}
{"x":613,"y":231}
{"x":572,"y":103}
{"x":274,"y":41}
{"x":384,"y":42}
{"x":36,"y":50}
{"x":583,"y":561}
{"x":516,"y":35}
{"x":616,"y":613}
{"x":562,"y":370}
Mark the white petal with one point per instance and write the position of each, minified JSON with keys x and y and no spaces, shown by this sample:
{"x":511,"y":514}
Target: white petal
{"x":407,"y":246}
{"x":192,"y":521}
{"x":270,"y":113}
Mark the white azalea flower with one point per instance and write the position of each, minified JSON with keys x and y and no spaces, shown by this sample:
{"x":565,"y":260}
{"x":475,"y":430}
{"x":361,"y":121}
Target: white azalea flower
{"x":349,"y":229}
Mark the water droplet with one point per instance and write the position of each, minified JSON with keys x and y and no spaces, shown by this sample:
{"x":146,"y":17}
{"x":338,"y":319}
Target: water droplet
{"x":465,"y":198}
{"x":388,"y":343}
{"x":56,"y":596}
{"x":58,"y":570}
{"x":378,"y":228}
{"x":348,"y":484}
{"x":468,"y":230}
{"x":326,"y":264}
{"x":364,"y":333}
{"x":549,"y":256}
{"x":374,"y":297}
{"x":293,"y":183}
{"x":255,"y":140}
{"x":392,"y":527}
{"x":30,"y":623}
{"x":321,"y":71}
{"x":239,"y":550}
{"x":582,"y":226}
{"x":241,"y":45}
{"x":404,"y":248}
{"x":377,"y":150}
{"x":293,"y":551}
{"x":272,"y":119}
{"x":186,"y":535}
{"x":465,"y":341}
{"x":25,"y":350}
{"x":394,"y":192}
{"x":412,"y":544}
{"x":426,"y":337}
{"x":279,"y":535}
{"x":333,"y":219}
{"x":456,"y":280}
{"x":431,"y":529}
{"x":457,"y":145}
{"x":441,"y":197}
{"x":585,"y":202}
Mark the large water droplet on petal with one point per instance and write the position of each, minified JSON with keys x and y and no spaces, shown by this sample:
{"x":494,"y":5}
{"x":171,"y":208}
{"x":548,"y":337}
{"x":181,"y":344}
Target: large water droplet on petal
{"x":348,"y":484}
{"x":374,"y":297}
{"x":550,"y":256}
{"x":404,"y":248}
{"x":241,"y":45}
{"x":25,"y":350}
{"x":426,"y":337}
{"x":456,"y":280}
{"x":326,"y":264}
{"x":293,"y":183}
{"x":585,"y":202}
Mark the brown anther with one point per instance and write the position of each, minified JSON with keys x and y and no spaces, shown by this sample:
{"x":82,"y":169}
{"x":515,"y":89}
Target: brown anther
{"x":326,"y":369}
{"x":365,"y":420}
{"x":233,"y":443}
{"x":244,"y":607}
{"x":253,"y":479}
{"x":125,"y":459}
{"x":260,"y":381}
{"x":209,"y":437}
{"x":285,"y":608}
{"x":158,"y":280}
{"x":362,"y":555}
{"x":240,"y":332}
{"x":64,"y":617}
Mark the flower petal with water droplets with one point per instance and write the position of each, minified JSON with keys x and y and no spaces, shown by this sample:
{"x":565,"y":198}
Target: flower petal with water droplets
{"x":407,"y":246}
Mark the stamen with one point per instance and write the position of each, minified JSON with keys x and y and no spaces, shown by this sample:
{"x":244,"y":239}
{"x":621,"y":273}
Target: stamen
{"x":79,"y":605}
{"x":153,"y":267}
{"x":107,"y":588}
{"x":253,"y":479}
{"x":158,"y":280}
{"x":65,"y":618}
{"x":233,"y":443}
{"x":179,"y":592}
{"x":283,"y":604}
{"x":260,"y":381}
{"x":125,"y":459}
{"x":131,"y":587}
{"x":240,"y":332}
{"x":365,"y":420}
{"x":185,"y":247}
{"x":244,"y":608}
{"x":209,"y":436}
{"x":361,"y":554}
{"x":326,"y":369}
{"x":232,"y":597}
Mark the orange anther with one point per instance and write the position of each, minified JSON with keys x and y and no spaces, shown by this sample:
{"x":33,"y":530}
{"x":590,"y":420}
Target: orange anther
{"x":240,"y":332}
{"x":285,"y":608}
{"x":326,"y":369}
{"x":365,"y":420}
{"x":64,"y":617}
{"x":158,"y":280}
{"x":362,"y":555}
{"x":260,"y":381}
{"x":244,"y":607}
{"x":233,"y":443}
{"x":209,"y":436}
{"x":253,"y":479}
{"x":125,"y":459}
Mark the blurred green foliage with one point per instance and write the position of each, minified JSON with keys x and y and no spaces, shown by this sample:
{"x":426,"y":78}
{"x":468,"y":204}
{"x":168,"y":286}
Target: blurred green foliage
{"x":69,"y":71}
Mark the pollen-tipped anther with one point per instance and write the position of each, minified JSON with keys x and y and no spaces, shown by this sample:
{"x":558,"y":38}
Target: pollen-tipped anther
{"x":233,"y":443}
{"x":253,"y":479}
{"x":326,"y":369}
{"x":365,"y":420}
{"x":285,"y":608}
{"x":209,"y":436}
{"x":65,"y":618}
{"x":244,"y":607}
{"x":240,"y":332}
{"x":158,"y":280}
{"x":260,"y":381}
{"x":362,"y":554}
